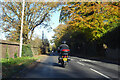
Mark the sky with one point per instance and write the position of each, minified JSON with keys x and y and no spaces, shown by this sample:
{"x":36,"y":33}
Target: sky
{"x":2,"y":35}
{"x":54,"y":22}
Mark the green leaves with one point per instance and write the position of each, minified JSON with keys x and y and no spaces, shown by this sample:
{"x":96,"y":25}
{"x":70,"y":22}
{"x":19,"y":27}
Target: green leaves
{"x":94,"y":16}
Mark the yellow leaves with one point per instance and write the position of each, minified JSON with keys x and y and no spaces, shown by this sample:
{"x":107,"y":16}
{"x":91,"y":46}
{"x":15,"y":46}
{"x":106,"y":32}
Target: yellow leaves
{"x":96,"y":21}
{"x":77,"y":24}
{"x":78,"y":11}
{"x":94,"y":32}
{"x":77,"y":18}
{"x":92,"y":23}
{"x":88,"y":18}
{"x":92,"y":16}
{"x":70,"y":22}
{"x":87,"y":25}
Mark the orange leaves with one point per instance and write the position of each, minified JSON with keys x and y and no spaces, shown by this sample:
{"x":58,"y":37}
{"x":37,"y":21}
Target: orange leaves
{"x":4,"y":18}
{"x":77,"y":18}
{"x":93,"y":17}
{"x":95,"y":31}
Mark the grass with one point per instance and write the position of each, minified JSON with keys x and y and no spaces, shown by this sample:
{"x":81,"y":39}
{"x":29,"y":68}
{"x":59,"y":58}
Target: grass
{"x":11,"y":66}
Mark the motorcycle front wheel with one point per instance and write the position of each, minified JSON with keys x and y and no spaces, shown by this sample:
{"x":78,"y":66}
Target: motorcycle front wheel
{"x":63,"y":64}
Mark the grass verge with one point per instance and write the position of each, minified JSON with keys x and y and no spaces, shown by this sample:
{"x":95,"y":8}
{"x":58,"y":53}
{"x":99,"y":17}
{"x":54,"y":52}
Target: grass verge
{"x":12,"y":66}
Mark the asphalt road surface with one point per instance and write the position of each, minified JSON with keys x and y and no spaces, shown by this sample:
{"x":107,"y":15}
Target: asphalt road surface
{"x":76,"y":68}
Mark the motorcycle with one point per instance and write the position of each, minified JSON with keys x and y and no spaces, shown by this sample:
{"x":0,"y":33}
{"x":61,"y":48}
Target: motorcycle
{"x":64,"y":59}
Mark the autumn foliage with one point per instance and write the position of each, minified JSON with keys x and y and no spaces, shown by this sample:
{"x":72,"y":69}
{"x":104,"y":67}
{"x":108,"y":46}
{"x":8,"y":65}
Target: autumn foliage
{"x":86,"y":22}
{"x":94,"y":18}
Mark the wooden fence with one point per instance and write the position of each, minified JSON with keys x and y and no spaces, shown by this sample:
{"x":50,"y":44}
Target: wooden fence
{"x":8,"y":47}
{"x":113,"y":53}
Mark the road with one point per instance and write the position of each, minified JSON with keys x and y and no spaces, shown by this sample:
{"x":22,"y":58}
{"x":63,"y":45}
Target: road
{"x":77,"y":68}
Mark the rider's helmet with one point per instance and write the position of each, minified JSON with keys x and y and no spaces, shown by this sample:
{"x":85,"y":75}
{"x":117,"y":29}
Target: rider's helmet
{"x":63,"y":42}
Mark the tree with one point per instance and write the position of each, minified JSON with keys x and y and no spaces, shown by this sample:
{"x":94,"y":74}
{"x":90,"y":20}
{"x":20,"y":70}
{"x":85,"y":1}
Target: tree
{"x":60,"y":31}
{"x":37,"y":42}
{"x":36,"y":45}
{"x":86,"y":24}
{"x":45,"y":46}
{"x":36,"y":13}
{"x":92,"y":18}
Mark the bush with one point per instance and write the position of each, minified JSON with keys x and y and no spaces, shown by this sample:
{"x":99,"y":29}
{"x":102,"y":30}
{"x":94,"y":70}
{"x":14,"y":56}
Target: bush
{"x":7,"y":55}
{"x":15,"y":55}
{"x":26,"y":51}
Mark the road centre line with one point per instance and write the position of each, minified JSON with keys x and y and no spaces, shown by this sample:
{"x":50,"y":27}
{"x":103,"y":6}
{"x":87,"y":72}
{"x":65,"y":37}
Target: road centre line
{"x":99,"y":73}
{"x":80,"y":63}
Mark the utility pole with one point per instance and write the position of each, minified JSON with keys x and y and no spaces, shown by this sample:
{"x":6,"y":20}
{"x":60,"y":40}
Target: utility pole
{"x":21,"y":29}
{"x":43,"y":44}
{"x":42,"y":36}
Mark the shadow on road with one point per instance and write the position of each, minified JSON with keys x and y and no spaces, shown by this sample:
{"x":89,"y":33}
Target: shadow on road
{"x":51,"y":64}
{"x":102,"y":59}
{"x":56,"y":64}
{"x":50,"y":73}
{"x":53,"y":54}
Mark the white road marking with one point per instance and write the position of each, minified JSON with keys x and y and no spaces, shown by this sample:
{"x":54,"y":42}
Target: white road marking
{"x":99,"y":73}
{"x":80,"y":63}
{"x":87,"y":60}
{"x":71,"y":59}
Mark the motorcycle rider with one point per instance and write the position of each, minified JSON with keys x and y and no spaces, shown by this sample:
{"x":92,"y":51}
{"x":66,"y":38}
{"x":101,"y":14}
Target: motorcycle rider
{"x":62,"y":46}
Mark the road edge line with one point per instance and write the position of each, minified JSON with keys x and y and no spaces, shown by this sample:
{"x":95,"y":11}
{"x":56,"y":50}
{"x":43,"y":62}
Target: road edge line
{"x":100,"y":73}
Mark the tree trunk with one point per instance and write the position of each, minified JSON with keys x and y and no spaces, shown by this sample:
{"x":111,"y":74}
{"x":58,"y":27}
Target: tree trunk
{"x":31,"y":35}
{"x":25,"y":38}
